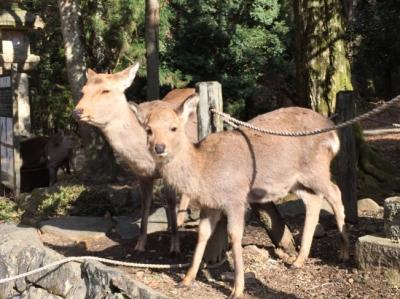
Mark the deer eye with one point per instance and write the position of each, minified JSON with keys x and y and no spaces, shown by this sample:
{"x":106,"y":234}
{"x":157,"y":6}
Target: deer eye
{"x":173,"y":129}
{"x":149,"y":131}
{"x":105,"y":91}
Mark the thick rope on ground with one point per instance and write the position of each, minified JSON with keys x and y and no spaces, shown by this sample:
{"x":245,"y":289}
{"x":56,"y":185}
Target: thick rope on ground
{"x":81,"y":259}
{"x":236,"y":123}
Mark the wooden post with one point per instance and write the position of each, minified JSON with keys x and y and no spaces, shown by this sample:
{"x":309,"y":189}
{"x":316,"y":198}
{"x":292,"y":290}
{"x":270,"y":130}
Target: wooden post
{"x":210,"y":94}
{"x":345,"y":163}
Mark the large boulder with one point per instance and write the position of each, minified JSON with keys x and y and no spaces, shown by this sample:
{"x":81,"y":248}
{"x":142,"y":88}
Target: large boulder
{"x":368,"y":205}
{"x":21,"y":250}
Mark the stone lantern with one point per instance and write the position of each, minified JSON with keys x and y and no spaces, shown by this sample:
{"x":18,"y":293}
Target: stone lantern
{"x":16,"y":62}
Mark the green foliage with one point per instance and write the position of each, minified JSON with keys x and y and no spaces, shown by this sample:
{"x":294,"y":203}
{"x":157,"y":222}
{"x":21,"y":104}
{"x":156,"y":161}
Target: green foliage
{"x":59,"y":202}
{"x":113,"y":33}
{"x":376,"y":47}
{"x":233,"y":42}
{"x":71,"y":199}
{"x":51,"y":102}
{"x":8,"y":210}
{"x":238,"y":43}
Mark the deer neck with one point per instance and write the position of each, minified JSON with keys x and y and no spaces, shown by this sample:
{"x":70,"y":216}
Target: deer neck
{"x":129,"y":141}
{"x":184,"y":170}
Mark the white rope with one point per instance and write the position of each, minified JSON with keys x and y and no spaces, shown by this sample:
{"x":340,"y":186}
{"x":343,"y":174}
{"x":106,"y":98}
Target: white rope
{"x":81,"y":259}
{"x":236,"y":123}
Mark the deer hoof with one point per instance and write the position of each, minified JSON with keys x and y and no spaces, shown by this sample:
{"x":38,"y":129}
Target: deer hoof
{"x":344,"y":256}
{"x":184,"y":284}
{"x":299,"y":263}
{"x":236,"y":294}
{"x":175,"y":248}
{"x":141,"y":244}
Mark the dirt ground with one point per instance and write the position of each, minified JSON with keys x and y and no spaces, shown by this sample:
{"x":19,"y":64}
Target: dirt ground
{"x":268,"y":276}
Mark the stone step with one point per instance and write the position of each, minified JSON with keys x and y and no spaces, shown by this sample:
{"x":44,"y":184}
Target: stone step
{"x":376,"y":251}
{"x":128,"y":227}
{"x":77,"y":228}
{"x":392,"y":218}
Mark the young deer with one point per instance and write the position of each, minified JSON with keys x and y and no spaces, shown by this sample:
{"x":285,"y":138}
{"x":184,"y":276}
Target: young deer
{"x":103,"y":105}
{"x":228,"y":170}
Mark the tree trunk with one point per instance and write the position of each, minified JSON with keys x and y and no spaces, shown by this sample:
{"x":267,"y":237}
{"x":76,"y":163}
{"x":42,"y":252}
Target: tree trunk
{"x":152,"y":31}
{"x":74,"y":50}
{"x":99,"y":154}
{"x":322,"y":66}
{"x":275,"y":226}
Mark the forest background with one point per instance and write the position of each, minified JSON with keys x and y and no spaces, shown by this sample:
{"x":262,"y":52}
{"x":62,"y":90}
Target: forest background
{"x":262,"y":51}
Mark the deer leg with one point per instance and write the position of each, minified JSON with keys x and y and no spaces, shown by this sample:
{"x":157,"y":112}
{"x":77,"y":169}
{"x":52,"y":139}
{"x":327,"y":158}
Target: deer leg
{"x":66,"y":165}
{"x":208,"y":222}
{"x":183,"y":205}
{"x":52,"y":175}
{"x":171,"y":199}
{"x":235,"y":231}
{"x":146,"y":188}
{"x":334,"y":198}
{"x":312,"y":203}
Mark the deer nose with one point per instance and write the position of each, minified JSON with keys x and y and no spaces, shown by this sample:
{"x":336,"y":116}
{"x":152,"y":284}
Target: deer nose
{"x":159,"y":148}
{"x":77,"y":113}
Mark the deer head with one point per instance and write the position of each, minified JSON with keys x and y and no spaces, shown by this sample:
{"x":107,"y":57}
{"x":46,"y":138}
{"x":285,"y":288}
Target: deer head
{"x":165,"y":128}
{"x":104,"y":92}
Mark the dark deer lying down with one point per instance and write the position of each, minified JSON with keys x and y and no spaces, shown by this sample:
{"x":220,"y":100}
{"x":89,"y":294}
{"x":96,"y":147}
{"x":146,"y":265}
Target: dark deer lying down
{"x":228,"y":170}
{"x":103,"y":104}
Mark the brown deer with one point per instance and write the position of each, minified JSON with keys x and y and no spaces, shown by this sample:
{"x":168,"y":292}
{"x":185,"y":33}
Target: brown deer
{"x":104,"y":105}
{"x":228,"y":170}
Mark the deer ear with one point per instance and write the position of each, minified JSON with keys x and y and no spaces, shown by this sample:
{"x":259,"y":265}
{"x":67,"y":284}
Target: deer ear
{"x":90,"y":73}
{"x":128,"y":75}
{"x":188,"y":107}
{"x":135,"y":108}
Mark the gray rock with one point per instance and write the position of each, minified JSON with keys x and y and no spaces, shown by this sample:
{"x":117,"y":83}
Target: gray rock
{"x":392,"y":218}
{"x":326,"y":208}
{"x":77,"y":228}
{"x":291,"y":208}
{"x":367,"y":205}
{"x":103,"y":282}
{"x":38,"y":293}
{"x":374,"y":251}
{"x":62,"y":280}
{"x":128,"y":227}
{"x":296,"y":208}
{"x":259,"y":253}
{"x":21,"y":251}
{"x":10,"y":249}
